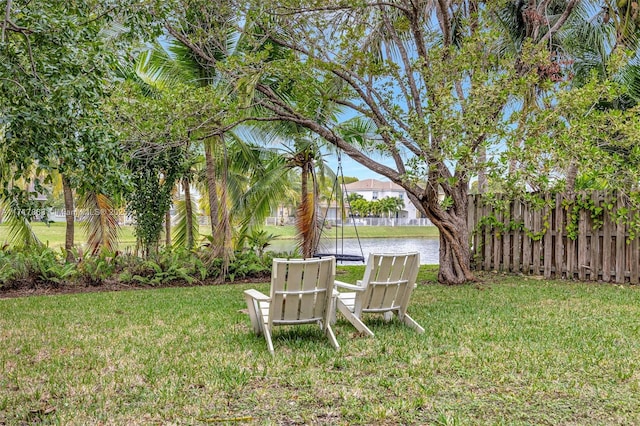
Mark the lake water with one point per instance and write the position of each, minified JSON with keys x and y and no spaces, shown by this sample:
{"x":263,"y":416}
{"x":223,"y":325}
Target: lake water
{"x":427,"y":247}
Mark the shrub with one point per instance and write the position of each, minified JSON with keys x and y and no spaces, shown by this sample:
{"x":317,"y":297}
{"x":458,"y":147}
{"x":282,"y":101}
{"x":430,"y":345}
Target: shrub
{"x":34,"y":266}
{"x":167,"y":266}
{"x":94,"y":270}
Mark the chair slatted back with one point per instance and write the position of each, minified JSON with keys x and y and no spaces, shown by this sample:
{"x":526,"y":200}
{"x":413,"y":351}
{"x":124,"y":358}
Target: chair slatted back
{"x":301,"y":290}
{"x":390,"y":279}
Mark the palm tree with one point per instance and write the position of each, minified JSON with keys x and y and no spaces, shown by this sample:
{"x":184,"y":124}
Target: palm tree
{"x":186,"y":230}
{"x":198,"y":58}
{"x":304,"y":156}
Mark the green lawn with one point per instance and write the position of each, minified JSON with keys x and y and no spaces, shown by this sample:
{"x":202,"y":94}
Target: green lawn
{"x":511,"y":350}
{"x":53,"y":234}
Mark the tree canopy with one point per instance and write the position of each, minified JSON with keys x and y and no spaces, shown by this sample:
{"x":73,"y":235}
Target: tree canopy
{"x":433,"y":95}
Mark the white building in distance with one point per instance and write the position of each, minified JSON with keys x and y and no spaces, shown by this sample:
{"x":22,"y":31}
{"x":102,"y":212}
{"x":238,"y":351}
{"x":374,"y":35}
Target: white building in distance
{"x":372,"y":189}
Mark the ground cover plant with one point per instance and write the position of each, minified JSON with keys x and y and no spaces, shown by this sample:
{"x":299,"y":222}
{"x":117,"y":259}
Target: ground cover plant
{"x":508,"y":350}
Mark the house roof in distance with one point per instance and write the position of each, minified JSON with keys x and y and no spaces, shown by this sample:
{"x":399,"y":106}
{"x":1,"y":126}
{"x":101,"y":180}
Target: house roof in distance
{"x":373,"y":185}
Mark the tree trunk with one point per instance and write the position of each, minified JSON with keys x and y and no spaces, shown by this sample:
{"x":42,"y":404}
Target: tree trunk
{"x":224,"y":225}
{"x":455,"y":254}
{"x":455,"y":251}
{"x":212,"y":190}
{"x":483,"y":184}
{"x":70,"y":219}
{"x":189,"y":211}
{"x":303,"y":214}
{"x":307,"y":220}
{"x":572,"y":173}
{"x":167,"y":228}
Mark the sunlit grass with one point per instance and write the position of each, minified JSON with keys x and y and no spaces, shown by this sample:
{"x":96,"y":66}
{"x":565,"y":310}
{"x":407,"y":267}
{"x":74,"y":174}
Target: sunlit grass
{"x":507,"y":351}
{"x":53,"y":234}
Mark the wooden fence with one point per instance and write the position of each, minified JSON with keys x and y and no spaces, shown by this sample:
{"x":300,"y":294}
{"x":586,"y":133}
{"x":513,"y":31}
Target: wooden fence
{"x":580,"y":239}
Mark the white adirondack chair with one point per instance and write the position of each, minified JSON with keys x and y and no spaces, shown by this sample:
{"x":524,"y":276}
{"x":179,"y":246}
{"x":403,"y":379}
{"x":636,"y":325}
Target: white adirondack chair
{"x":389,"y":280}
{"x":301,"y":293}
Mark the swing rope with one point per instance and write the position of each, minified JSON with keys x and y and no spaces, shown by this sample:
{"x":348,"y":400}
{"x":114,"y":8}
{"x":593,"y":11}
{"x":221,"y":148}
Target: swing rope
{"x":344,"y":195}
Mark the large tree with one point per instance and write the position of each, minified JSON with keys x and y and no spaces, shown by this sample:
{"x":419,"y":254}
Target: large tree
{"x":424,"y":72}
{"x":578,"y":132}
{"x":55,"y":71}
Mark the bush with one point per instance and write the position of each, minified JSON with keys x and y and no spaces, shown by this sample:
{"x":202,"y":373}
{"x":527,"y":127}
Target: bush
{"x":94,"y":270}
{"x":30,"y":268}
{"x":34,"y":266}
{"x":167,"y":266}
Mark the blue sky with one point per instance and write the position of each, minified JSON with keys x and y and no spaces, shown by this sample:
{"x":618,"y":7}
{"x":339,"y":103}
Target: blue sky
{"x":351,"y":168}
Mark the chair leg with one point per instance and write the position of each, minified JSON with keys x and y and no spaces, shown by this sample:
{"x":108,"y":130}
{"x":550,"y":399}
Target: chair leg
{"x":333,"y":316}
{"x":332,"y":337}
{"x":412,"y":323}
{"x":267,"y":336}
{"x":255,"y":315}
{"x":354,"y":320}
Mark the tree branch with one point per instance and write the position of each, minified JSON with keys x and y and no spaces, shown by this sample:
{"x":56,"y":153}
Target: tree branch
{"x":560,"y":22}
{"x":7,"y":13}
{"x":192,"y":46}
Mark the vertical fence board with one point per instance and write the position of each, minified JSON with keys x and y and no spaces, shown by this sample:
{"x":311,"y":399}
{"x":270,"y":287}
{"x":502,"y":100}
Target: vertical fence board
{"x":497,"y":242}
{"x":595,"y":250}
{"x":526,"y":240}
{"x":633,"y":267}
{"x":559,"y":229}
{"x":472,"y":221}
{"x":634,"y":260}
{"x":571,"y":245}
{"x":507,"y":255}
{"x":517,"y":236}
{"x":548,"y":237}
{"x":537,"y":243}
{"x":582,"y":245}
{"x":488,"y":238}
{"x":619,"y":255}
{"x":607,"y":231}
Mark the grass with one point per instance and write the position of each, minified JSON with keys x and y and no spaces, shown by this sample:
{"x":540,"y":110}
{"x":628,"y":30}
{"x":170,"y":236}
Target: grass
{"x":53,"y":234}
{"x":511,"y":351}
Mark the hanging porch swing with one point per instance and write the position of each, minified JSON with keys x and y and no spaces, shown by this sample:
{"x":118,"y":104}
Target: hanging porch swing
{"x":339,"y":253}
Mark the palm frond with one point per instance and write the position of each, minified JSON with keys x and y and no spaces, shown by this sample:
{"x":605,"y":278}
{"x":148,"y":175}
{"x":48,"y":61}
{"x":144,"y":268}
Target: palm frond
{"x":267,"y":188}
{"x":630,"y":77}
{"x":358,"y":131}
{"x":20,"y":231}
{"x":180,"y":233}
{"x":100,"y":221}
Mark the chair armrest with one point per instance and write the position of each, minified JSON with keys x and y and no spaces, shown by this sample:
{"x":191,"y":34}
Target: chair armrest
{"x":255,"y":294}
{"x":348,"y":286}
